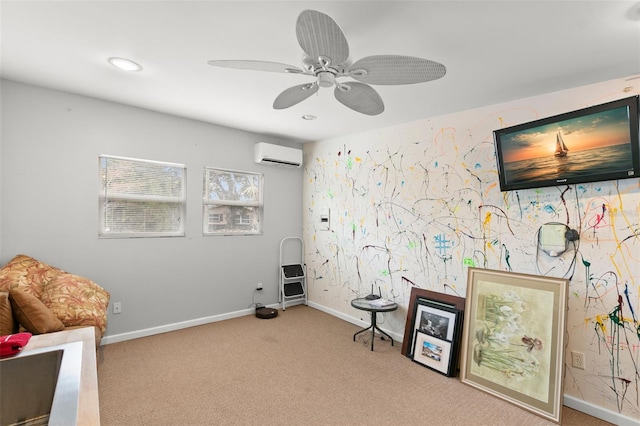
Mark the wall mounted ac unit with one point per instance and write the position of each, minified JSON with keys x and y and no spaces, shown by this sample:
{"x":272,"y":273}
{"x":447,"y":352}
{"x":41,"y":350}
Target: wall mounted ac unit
{"x":266,"y":153}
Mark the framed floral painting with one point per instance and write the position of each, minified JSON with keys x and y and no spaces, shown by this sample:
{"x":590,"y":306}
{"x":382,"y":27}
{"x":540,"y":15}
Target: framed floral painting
{"x":512,"y":341}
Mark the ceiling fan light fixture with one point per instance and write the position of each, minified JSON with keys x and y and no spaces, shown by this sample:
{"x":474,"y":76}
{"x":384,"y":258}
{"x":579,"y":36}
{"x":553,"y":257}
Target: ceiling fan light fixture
{"x":326,"y":79}
{"x":124,"y":64}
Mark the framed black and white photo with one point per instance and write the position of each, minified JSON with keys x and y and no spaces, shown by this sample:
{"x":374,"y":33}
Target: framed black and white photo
{"x":441,"y":298}
{"x":435,"y":319}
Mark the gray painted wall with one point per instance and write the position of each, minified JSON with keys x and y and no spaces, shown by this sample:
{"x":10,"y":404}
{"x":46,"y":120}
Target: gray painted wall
{"x":49,"y":206}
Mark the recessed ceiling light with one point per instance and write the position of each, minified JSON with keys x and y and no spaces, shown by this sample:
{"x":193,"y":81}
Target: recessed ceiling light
{"x":309,"y":117}
{"x":124,"y":64}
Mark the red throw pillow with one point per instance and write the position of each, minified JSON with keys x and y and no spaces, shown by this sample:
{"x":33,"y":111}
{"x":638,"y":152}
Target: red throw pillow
{"x":13,"y":343}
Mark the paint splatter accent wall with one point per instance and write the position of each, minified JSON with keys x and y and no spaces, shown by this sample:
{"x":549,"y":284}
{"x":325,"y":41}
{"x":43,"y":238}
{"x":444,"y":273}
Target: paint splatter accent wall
{"x":416,"y":205}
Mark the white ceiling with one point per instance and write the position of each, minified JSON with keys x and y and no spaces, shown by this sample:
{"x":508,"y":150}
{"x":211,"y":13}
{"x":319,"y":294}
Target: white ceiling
{"x":494,"y":51}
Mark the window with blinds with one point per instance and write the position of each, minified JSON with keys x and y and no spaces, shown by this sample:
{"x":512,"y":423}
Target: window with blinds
{"x":232,"y":202}
{"x":141,"y":198}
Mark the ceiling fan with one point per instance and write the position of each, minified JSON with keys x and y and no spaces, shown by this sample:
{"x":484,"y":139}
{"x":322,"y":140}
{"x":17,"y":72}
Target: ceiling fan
{"x":326,"y":57}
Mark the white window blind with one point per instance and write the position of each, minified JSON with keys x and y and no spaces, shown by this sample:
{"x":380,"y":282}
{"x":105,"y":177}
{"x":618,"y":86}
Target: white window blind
{"x":141,"y":198}
{"x":232,"y":202}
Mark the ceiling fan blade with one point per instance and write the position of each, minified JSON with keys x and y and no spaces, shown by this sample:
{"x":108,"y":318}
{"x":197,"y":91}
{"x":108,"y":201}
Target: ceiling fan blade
{"x":257,"y":66}
{"x":320,"y":37}
{"x":359,"y":97}
{"x":396,"y":69}
{"x":294,"y":95}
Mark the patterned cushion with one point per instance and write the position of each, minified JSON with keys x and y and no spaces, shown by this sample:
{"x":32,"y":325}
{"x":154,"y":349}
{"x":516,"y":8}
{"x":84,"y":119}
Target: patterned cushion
{"x":27,"y":274}
{"x":32,"y":314}
{"x":7,"y":324}
{"x":76,"y":301}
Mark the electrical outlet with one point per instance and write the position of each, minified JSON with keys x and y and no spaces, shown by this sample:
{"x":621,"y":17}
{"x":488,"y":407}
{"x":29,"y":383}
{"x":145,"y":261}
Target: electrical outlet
{"x":117,"y":307}
{"x":259,"y":287}
{"x":577,"y":359}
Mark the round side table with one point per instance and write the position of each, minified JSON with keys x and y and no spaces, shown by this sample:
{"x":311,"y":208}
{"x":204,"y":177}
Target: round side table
{"x":366,"y":305}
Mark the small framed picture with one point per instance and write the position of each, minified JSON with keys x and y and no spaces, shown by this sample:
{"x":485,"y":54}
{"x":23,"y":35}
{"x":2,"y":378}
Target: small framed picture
{"x":418,"y":294}
{"x":433,"y":353}
{"x":436,"y":319}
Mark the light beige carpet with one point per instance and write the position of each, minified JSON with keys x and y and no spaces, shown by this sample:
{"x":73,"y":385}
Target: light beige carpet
{"x":300,"y":368}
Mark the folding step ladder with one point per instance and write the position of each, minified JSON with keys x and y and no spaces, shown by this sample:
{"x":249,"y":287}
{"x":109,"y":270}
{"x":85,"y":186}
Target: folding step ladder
{"x":293,"y":282}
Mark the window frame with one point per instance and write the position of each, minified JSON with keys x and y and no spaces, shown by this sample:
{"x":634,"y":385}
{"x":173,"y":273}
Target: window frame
{"x":180,"y":201}
{"x":226,"y":219}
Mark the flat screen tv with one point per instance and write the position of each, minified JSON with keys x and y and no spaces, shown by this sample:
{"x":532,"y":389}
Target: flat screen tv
{"x":592,"y":144}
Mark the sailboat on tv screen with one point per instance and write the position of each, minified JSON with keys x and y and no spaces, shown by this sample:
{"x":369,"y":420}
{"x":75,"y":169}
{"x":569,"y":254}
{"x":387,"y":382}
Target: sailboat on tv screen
{"x":561,"y":148}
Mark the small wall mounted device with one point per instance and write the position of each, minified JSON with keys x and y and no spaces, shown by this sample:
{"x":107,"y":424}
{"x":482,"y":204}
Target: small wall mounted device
{"x":325,"y":223}
{"x":553,"y":238}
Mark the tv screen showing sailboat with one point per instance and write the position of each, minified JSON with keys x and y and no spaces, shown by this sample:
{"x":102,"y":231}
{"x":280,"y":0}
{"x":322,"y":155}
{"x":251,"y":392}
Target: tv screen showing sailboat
{"x":593,"y":144}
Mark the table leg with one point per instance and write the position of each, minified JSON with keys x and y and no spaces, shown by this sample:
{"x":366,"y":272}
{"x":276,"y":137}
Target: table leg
{"x":361,"y":331}
{"x":373,"y":327}
{"x":382,"y":332}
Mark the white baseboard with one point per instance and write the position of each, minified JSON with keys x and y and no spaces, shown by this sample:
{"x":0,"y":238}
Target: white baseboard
{"x":108,"y":339}
{"x":599,"y":412}
{"x":396,"y":337}
{"x":569,"y":401}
